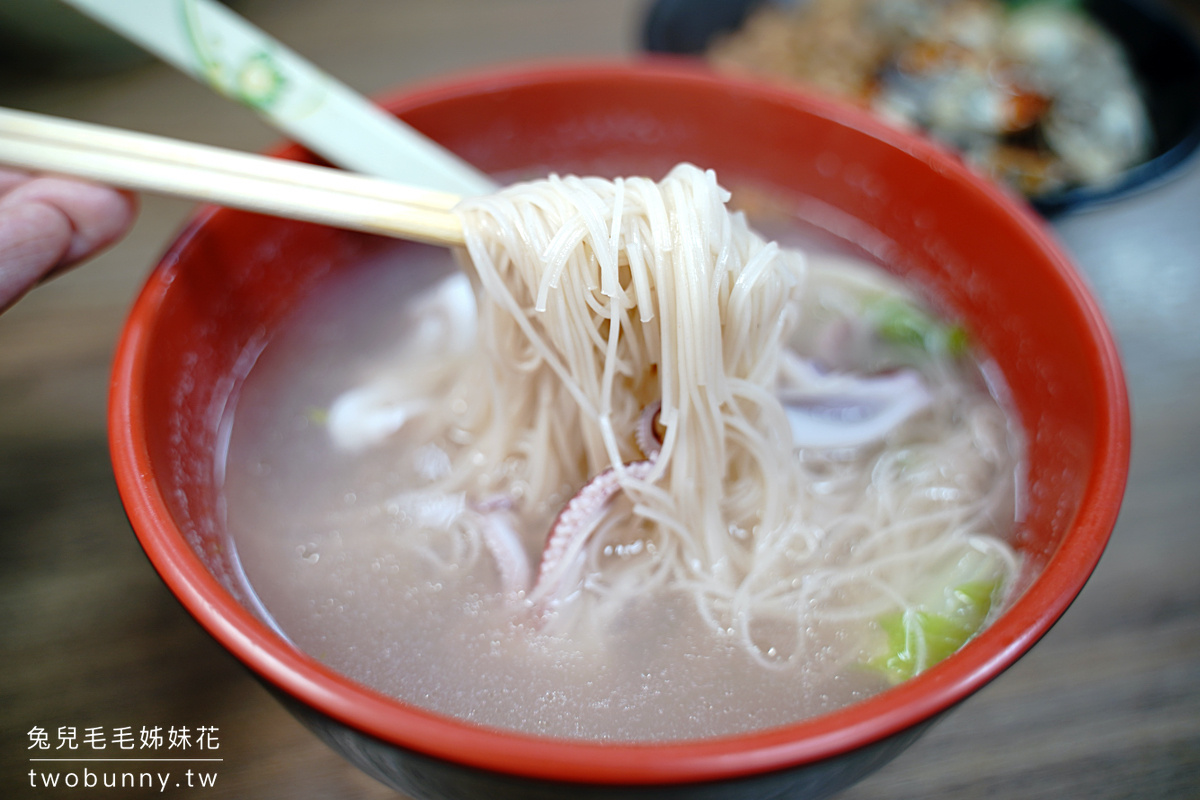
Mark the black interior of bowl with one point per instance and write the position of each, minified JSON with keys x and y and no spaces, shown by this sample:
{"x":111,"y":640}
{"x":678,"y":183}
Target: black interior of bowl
{"x":1161,"y":48}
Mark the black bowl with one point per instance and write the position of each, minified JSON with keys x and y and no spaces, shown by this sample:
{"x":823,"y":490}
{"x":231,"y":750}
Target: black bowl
{"x":1161,"y":48}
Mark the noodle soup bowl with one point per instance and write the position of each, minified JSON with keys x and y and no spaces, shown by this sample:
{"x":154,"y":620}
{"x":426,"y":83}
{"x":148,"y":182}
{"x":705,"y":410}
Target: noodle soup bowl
{"x":231,"y":279}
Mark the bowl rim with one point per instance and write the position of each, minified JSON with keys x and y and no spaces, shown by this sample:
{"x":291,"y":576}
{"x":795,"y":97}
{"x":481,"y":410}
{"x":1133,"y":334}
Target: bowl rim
{"x":807,"y":741}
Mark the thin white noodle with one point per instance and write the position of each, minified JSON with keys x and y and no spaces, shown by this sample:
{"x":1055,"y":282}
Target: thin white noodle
{"x":597,"y":298}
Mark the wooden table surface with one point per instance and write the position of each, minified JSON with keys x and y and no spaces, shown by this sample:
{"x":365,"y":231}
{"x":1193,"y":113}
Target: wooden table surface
{"x":1107,"y":706}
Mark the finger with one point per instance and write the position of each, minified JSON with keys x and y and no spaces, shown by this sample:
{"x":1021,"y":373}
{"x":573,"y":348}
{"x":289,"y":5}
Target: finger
{"x":34,"y":237}
{"x":97,"y":215}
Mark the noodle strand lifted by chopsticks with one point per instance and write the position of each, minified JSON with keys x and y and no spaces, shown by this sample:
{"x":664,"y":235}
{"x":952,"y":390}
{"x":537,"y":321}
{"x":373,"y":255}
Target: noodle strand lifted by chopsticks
{"x":597,"y":299}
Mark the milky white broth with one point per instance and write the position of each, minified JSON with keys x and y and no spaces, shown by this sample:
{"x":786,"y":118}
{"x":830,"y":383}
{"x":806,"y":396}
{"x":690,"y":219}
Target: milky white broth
{"x":337,"y":565}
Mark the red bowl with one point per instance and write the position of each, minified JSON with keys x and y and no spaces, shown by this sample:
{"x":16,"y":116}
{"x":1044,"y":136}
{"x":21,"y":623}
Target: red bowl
{"x":232,"y":277}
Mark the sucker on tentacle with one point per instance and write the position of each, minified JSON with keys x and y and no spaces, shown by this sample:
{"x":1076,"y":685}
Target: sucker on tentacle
{"x":574,"y":525}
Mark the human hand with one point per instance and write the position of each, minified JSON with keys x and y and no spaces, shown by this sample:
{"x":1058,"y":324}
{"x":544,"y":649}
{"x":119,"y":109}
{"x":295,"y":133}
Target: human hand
{"x":48,"y":224}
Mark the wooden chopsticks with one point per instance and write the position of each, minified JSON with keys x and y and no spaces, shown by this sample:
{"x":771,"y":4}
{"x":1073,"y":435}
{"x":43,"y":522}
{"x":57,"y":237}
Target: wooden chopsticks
{"x":267,"y":185}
